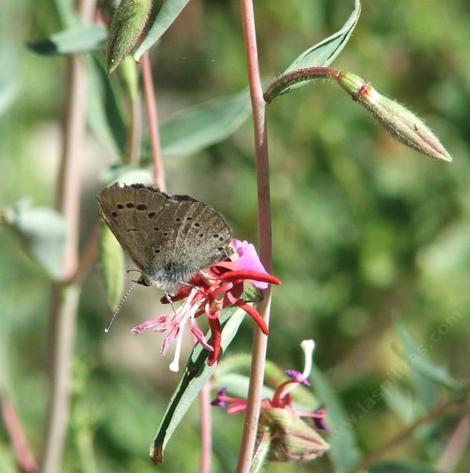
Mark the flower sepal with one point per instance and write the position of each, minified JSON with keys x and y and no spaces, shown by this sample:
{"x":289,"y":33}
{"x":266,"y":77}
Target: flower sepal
{"x":291,"y":438}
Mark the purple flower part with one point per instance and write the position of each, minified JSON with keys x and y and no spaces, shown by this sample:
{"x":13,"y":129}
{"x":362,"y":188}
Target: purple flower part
{"x":218,"y":401}
{"x":157,"y":324}
{"x":297,"y":376}
{"x":171,"y":337}
{"x":319,"y":420}
{"x":249,"y":260}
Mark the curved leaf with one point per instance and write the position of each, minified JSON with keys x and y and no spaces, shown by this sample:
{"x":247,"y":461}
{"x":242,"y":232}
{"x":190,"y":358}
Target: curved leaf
{"x":195,"y":375}
{"x":41,"y":232}
{"x":326,"y":51}
{"x":167,"y":14}
{"x":78,"y":39}
{"x":200,"y":126}
{"x":343,"y":452}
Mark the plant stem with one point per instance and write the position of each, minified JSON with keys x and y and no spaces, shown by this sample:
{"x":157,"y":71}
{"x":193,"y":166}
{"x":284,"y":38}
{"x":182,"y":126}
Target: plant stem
{"x":262,"y":450}
{"x":456,"y":446}
{"x":21,"y":451}
{"x":290,"y":78}
{"x":434,"y":413}
{"x":134,"y":132}
{"x":152,"y":119}
{"x":64,"y":299}
{"x":206,"y":428}
{"x":264,"y":228}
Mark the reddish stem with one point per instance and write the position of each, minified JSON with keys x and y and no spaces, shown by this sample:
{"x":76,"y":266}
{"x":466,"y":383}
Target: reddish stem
{"x":152,"y":118}
{"x":216,"y":337}
{"x":264,"y":227}
{"x":206,"y":429}
{"x":254,"y":314}
{"x":23,"y":456}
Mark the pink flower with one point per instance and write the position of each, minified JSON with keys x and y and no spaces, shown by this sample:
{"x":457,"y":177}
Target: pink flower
{"x":282,"y":395}
{"x":208,"y":293}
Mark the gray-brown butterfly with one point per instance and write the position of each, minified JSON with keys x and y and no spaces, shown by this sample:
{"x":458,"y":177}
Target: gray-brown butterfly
{"x":169,"y":237}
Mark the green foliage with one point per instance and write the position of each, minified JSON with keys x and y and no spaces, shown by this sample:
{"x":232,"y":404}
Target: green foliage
{"x":363,"y":229}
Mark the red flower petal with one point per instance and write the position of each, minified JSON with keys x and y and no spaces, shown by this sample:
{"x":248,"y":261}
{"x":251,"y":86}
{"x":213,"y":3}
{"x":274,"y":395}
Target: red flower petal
{"x":246,"y":274}
{"x":216,"y":336}
{"x":255,"y":315}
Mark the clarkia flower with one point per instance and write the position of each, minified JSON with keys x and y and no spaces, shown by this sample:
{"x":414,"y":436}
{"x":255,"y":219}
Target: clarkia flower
{"x":281,"y":422}
{"x":208,"y":293}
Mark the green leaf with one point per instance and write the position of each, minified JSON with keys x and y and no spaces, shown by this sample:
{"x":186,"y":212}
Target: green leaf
{"x":128,"y":23}
{"x":167,"y":14}
{"x":77,"y":39}
{"x":326,"y":51}
{"x":125,"y":174}
{"x":200,"y":126}
{"x":195,"y":375}
{"x":401,"y":467}
{"x":415,"y":355}
{"x":104,"y":109}
{"x":343,"y":452}
{"x":41,"y":231}
{"x":112,"y":266}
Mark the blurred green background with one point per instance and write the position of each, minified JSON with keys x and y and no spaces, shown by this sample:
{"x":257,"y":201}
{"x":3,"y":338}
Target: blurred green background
{"x":365,"y":230}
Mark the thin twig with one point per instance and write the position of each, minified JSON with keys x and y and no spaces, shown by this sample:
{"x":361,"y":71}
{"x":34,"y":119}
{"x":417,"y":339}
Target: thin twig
{"x":87,"y":257}
{"x":434,"y":413}
{"x":206,"y":429}
{"x":21,"y":451}
{"x":264,"y":228}
{"x":456,"y":446}
{"x":152,"y":119}
{"x":64,"y":300}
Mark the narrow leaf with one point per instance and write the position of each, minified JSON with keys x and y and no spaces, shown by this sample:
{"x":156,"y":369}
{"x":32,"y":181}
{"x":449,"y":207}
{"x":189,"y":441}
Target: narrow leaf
{"x":77,"y":39}
{"x":112,"y":266}
{"x":196,"y":374}
{"x":415,"y":355}
{"x":401,"y":467}
{"x":326,"y":51}
{"x":41,"y":232}
{"x":343,"y":452}
{"x":167,"y":14}
{"x":203,"y":125}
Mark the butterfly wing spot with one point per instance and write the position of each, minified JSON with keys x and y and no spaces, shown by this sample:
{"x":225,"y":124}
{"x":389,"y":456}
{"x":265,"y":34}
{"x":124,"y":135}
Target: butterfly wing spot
{"x":151,"y":214}
{"x":130,"y":205}
{"x":114,"y":214}
{"x":133,"y":230}
{"x":156,"y":250}
{"x":141,"y":207}
{"x":120,"y":206}
{"x":177,"y":219}
{"x":215,"y":235}
{"x":201,"y":235}
{"x":221,"y":238}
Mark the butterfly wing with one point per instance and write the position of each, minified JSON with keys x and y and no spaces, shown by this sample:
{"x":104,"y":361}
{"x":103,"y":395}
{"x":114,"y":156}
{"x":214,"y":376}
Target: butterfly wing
{"x":131,"y":212}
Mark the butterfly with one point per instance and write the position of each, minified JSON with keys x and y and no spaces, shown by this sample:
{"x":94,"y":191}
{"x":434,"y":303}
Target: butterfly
{"x":169,"y":237}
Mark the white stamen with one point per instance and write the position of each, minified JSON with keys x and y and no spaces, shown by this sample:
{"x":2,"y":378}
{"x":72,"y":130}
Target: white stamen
{"x":307,"y":346}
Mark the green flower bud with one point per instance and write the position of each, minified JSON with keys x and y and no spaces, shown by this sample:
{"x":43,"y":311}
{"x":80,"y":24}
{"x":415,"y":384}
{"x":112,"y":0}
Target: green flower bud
{"x":128,"y":23}
{"x":402,"y":124}
{"x":291,"y":439}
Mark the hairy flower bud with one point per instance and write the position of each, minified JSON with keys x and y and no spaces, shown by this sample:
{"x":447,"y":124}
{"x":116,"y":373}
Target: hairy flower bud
{"x":291,"y":439}
{"x":128,"y":23}
{"x":402,"y":124}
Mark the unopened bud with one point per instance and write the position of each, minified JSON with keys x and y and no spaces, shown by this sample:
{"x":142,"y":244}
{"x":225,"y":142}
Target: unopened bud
{"x":291,"y":439}
{"x":128,"y":23}
{"x":402,"y":124}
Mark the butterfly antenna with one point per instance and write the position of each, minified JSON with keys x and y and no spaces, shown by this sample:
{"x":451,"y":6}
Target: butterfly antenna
{"x":118,"y":308}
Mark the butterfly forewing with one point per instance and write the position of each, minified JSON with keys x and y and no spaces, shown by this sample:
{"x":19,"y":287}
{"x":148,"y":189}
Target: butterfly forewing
{"x":169,"y":237}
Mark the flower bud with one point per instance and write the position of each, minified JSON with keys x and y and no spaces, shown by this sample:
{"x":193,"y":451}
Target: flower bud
{"x":128,"y":23}
{"x":402,"y":124}
{"x":291,"y":439}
